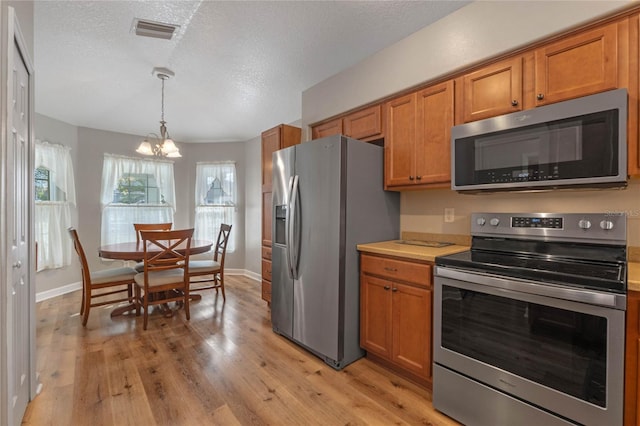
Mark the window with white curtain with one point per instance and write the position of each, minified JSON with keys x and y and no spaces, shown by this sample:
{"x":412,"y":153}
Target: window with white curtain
{"x":55,"y":193}
{"x":215,"y":200}
{"x":134,"y":190}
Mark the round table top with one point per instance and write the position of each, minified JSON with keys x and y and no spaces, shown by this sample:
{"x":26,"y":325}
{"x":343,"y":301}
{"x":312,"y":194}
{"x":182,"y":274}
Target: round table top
{"x":135,"y":251}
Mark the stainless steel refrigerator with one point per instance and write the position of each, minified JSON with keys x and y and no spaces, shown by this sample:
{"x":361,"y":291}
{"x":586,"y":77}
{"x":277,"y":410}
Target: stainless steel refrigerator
{"x":327,"y":197}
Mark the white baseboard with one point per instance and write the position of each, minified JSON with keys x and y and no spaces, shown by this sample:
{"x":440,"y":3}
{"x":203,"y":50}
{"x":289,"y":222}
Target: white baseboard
{"x":44,"y":295}
{"x":48,"y":294}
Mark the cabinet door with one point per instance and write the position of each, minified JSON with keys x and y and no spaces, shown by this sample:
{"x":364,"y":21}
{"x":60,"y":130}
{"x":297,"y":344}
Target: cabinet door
{"x":412,"y":328}
{"x":493,"y":90}
{"x":270,"y":143}
{"x":400,"y":141}
{"x":333,"y":127}
{"x":375,"y":315}
{"x":433,"y":134}
{"x":364,"y":124}
{"x":576,"y":66}
{"x":632,"y":360}
{"x":266,"y":218}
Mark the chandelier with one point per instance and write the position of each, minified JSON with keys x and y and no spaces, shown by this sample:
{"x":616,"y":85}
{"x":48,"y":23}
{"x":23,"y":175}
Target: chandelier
{"x":163,"y":145}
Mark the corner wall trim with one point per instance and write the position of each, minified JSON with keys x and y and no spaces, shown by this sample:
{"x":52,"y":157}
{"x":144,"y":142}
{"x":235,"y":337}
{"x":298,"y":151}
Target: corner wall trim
{"x":69,"y":288}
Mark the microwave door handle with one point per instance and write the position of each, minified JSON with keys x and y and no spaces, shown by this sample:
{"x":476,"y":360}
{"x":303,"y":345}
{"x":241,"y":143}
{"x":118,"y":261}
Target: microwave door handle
{"x":294,"y":228}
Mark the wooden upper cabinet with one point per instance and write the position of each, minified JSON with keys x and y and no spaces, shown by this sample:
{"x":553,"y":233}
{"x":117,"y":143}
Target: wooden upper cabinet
{"x":365,"y":124}
{"x":270,"y":144}
{"x":492,"y":90}
{"x":433,"y":139}
{"x":333,"y":127}
{"x":417,"y":141}
{"x":279,"y":137}
{"x":575,"y":66}
{"x":400,"y":141}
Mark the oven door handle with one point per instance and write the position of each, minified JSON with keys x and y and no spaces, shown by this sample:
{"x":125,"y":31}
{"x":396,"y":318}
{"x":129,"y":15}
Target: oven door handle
{"x":617,"y":301}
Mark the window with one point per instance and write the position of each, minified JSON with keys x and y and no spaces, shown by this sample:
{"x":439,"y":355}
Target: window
{"x":215,"y":200}
{"x":43,"y":184}
{"x":55,"y":192}
{"x":134,"y":191}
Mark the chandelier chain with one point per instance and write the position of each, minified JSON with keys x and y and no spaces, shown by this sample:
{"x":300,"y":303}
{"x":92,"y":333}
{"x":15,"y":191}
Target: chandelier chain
{"x":162,"y":102}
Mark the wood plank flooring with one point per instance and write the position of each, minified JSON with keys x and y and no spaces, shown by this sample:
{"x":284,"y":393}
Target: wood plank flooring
{"x":224,"y":367}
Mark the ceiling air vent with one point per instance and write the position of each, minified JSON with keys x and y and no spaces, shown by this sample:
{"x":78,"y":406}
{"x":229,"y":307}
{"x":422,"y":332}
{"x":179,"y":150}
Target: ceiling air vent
{"x":154,"y":29}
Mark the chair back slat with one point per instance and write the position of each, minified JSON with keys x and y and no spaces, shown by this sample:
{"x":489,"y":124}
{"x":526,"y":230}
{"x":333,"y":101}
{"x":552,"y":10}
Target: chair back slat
{"x":160,"y":249}
{"x":221,"y":243}
{"x":80,"y":251}
{"x":150,"y":227}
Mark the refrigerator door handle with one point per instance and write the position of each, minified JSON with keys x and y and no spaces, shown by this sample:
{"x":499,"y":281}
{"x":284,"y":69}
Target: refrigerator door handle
{"x":287,"y":231}
{"x":294,"y":229}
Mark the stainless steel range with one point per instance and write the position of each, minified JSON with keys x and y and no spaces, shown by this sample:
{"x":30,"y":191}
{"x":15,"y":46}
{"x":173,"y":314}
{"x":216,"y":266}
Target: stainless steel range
{"x":529,"y":323}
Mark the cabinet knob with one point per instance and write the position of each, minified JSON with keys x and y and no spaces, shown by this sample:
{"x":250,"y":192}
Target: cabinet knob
{"x":514,"y":102}
{"x":386,"y":287}
{"x":394,"y":289}
{"x":418,"y":177}
{"x":410,"y":177}
{"x":540,"y":96}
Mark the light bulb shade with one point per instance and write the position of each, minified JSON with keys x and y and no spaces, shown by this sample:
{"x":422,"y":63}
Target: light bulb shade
{"x":168,"y":147}
{"x":145,"y":148}
{"x":175,"y":154}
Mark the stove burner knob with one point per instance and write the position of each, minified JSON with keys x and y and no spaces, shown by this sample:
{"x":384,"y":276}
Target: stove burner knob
{"x":480,"y":221}
{"x":584,"y":224}
{"x":494,"y":222}
{"x":606,"y":224}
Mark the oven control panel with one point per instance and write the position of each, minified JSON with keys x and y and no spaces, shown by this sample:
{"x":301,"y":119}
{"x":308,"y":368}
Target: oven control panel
{"x":606,"y":228}
{"x":536,"y":222}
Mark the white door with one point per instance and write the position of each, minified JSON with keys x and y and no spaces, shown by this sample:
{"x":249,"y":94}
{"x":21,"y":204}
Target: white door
{"x":19,"y":304}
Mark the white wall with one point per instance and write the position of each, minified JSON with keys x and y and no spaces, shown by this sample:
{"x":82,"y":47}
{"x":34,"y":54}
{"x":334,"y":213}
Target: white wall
{"x":253,"y":206}
{"x":475,"y":32}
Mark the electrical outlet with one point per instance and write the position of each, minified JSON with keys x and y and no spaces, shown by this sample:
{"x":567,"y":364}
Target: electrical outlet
{"x":449,"y":214}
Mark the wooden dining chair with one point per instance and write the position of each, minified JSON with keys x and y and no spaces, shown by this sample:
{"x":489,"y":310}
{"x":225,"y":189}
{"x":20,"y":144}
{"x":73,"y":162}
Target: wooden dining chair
{"x":165,"y":277}
{"x":119,"y":280}
{"x":148,"y":227}
{"x":211,"y":271}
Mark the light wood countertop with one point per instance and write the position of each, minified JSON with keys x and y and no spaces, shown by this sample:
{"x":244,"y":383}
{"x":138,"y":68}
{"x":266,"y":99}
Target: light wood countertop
{"x":633,"y":276}
{"x":407,"y":251}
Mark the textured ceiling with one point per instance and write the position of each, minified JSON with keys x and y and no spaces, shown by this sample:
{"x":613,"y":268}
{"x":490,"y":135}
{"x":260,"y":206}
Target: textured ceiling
{"x":240,"y":66}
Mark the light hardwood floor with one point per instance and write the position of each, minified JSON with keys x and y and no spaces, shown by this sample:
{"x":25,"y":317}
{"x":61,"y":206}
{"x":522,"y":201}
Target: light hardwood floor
{"x":225,"y":366}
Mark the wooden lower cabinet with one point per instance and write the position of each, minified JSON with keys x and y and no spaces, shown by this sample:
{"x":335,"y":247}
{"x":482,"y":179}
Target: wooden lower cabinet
{"x":396,"y":298}
{"x":632,"y":358}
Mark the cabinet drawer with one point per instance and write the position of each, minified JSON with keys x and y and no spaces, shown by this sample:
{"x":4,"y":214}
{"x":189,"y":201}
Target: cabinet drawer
{"x":266,"y":252}
{"x":417,"y":273}
{"x":266,"y":270}
{"x":266,"y":291}
{"x":364,"y":124}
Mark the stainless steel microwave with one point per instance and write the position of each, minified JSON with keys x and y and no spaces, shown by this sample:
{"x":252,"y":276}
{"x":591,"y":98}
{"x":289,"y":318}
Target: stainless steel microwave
{"x":581,"y":142}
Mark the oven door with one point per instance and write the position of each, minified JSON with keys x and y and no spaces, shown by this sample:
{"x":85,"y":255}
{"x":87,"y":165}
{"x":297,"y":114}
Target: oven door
{"x":563,"y":356}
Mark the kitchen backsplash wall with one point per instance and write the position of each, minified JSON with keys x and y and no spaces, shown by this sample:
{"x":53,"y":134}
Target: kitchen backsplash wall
{"x":424,"y":211}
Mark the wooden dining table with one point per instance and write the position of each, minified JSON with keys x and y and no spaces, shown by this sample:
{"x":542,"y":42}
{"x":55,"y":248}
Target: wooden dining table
{"x":133,"y":251}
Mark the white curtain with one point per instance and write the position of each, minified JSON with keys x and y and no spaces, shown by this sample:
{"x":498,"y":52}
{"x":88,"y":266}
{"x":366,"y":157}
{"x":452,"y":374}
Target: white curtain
{"x":118,"y":218}
{"x":216,"y":200}
{"x":53,"y":217}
